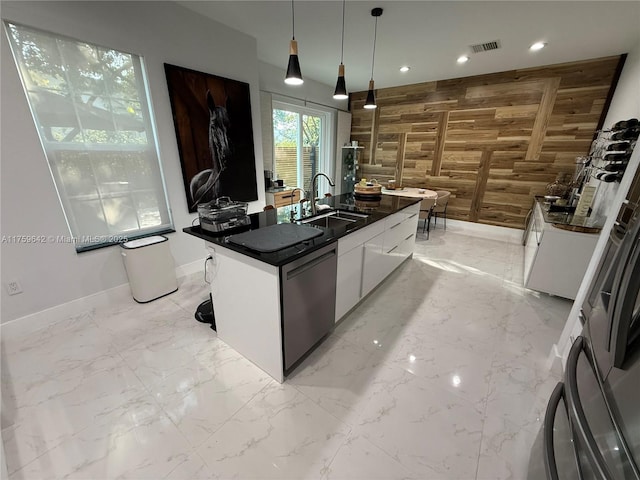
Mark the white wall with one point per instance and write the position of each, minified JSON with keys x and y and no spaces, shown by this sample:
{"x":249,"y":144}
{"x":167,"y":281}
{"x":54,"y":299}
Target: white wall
{"x":52,"y":274}
{"x":272,"y":81}
{"x":311,"y":94}
{"x":625,"y":104}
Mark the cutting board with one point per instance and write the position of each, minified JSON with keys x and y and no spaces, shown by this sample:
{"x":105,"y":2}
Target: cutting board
{"x":275,"y":237}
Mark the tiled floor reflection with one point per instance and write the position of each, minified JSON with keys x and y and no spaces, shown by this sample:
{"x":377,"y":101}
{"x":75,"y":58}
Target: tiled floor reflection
{"x":439,"y":374}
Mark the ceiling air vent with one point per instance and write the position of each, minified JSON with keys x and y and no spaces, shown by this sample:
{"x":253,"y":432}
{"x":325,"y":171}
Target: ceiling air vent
{"x":485,"y":47}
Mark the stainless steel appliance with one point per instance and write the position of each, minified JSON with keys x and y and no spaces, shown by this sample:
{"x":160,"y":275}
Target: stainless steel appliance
{"x":592,"y":424}
{"x":222,"y":215}
{"x":621,"y":225}
{"x":308,"y":301}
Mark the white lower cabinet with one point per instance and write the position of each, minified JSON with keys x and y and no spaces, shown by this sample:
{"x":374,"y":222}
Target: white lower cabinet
{"x":555,"y":260}
{"x":349,"y":280}
{"x":374,"y":268}
{"x":368,"y":256}
{"x":406,"y":246}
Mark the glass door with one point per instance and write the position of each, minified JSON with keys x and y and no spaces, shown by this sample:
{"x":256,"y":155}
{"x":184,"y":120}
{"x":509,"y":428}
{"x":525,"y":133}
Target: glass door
{"x":300,"y":144}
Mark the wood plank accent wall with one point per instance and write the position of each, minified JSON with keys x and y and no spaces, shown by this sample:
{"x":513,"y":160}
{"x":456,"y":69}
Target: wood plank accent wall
{"x":493,"y":140}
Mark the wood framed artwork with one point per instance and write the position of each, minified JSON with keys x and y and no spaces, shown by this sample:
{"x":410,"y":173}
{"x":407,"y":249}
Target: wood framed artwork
{"x":212,"y":118}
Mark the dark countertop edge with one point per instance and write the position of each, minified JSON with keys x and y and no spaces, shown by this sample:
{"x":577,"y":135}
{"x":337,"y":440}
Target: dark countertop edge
{"x":280,"y":259}
{"x":566,"y":226}
{"x":279,"y":189}
{"x":265,"y":258}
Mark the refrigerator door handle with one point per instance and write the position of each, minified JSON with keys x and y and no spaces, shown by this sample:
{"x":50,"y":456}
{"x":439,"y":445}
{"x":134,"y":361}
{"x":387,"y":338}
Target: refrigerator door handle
{"x":578,"y":416}
{"x":550,"y":466}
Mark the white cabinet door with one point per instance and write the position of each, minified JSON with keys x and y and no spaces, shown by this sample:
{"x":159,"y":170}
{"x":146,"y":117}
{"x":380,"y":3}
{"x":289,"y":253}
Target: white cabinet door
{"x":349,"y":281}
{"x":531,"y":249}
{"x":374,"y":268}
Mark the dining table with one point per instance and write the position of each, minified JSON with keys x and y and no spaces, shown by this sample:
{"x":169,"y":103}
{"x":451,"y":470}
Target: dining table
{"x":411,"y":192}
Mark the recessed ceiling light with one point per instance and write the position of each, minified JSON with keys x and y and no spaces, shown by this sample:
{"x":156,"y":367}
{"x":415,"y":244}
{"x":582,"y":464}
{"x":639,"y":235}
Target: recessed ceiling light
{"x":405,"y":69}
{"x":537,"y":46}
{"x":463,"y":59}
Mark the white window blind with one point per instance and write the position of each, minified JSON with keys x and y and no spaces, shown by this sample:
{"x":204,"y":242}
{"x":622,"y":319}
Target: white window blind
{"x":91,"y":108}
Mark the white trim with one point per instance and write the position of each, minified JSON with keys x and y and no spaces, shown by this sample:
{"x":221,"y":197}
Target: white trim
{"x":555,"y":362}
{"x":492,"y":232}
{"x":35,"y":321}
{"x":122,"y":293}
{"x":326,"y":147}
{"x":190,"y":268}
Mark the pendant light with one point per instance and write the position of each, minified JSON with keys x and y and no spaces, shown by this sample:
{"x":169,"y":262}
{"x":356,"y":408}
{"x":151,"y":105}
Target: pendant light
{"x":294,"y":74}
{"x":341,"y":87}
{"x":371,"y":97}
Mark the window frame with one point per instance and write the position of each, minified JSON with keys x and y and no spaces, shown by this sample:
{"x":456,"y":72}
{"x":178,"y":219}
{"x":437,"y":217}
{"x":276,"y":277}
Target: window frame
{"x":52,"y":149}
{"x":327,"y":135}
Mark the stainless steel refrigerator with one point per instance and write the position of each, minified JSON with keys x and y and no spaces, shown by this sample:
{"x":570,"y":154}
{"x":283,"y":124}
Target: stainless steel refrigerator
{"x":591,"y":428}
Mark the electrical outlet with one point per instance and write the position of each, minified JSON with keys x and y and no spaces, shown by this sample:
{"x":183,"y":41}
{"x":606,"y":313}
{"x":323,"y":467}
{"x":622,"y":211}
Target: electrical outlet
{"x":13,"y":287}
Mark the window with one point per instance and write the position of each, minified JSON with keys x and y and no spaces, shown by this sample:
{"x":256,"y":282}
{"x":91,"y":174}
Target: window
{"x":301,"y":145}
{"x":91,"y":109}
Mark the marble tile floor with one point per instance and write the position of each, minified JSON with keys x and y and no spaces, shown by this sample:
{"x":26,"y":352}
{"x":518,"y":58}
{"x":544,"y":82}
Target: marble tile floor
{"x":439,"y":374}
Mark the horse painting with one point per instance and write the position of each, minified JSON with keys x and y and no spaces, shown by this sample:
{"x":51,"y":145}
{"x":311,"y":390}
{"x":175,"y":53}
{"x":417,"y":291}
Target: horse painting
{"x":205,"y":185}
{"x":212,"y":118}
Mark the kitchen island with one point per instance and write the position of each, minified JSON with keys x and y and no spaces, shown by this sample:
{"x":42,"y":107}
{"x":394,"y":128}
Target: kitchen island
{"x":270,"y":305}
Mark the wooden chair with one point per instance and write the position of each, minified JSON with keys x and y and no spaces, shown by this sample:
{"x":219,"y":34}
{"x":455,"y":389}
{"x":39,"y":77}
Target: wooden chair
{"x":426,"y":209}
{"x":441,"y":206}
{"x":268,"y":207}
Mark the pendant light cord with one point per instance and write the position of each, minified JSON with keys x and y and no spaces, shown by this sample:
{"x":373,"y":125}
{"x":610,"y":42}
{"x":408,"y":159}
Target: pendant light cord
{"x":373,"y":57}
{"x":293,"y":22}
{"x":342,"y":49}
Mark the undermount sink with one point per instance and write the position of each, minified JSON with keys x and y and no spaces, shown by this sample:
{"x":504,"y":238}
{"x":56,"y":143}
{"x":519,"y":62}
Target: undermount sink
{"x":333,"y":219}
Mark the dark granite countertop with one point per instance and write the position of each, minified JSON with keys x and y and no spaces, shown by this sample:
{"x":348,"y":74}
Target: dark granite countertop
{"x":569,"y":221}
{"x":376,"y":210}
{"x":278,"y":189}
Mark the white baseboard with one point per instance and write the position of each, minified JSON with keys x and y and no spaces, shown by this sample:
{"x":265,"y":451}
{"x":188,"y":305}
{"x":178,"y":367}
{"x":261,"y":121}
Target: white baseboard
{"x":122,"y":293}
{"x":554,"y":361}
{"x":38,"y":320}
{"x":492,"y":232}
{"x":190,"y":268}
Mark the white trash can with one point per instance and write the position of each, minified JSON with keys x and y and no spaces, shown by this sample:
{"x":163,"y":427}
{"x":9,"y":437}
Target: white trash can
{"x":150,"y":268}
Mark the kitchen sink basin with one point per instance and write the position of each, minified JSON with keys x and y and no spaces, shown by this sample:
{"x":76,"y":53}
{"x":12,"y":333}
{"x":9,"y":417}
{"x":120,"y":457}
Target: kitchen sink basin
{"x":334,"y":219}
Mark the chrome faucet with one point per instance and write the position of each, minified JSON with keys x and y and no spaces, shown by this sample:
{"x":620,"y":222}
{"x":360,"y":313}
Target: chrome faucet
{"x":292,"y":215}
{"x":312,"y":194}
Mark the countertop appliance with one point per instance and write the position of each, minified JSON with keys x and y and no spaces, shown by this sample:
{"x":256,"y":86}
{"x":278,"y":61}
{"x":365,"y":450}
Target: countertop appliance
{"x":222,"y":215}
{"x":592,"y":423}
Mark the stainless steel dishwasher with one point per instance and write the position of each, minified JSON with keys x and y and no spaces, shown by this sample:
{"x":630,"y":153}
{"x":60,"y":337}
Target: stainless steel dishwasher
{"x":308,"y":301}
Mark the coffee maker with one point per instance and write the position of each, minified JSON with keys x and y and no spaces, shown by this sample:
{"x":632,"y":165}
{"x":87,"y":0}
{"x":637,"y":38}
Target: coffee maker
{"x":268,"y":179}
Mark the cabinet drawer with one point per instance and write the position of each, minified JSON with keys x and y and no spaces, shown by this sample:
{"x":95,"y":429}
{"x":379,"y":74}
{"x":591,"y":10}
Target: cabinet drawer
{"x":286,"y":197}
{"x":359,"y":237}
{"x":392,"y":221}
{"x":397,"y":232}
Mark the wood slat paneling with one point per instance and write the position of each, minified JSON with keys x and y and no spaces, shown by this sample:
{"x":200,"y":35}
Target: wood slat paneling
{"x":493,"y":140}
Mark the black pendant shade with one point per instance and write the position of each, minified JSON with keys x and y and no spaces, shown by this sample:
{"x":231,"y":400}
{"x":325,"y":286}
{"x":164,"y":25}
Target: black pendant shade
{"x":340,"y":92}
{"x":294,"y":74}
{"x":370,"y":103}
